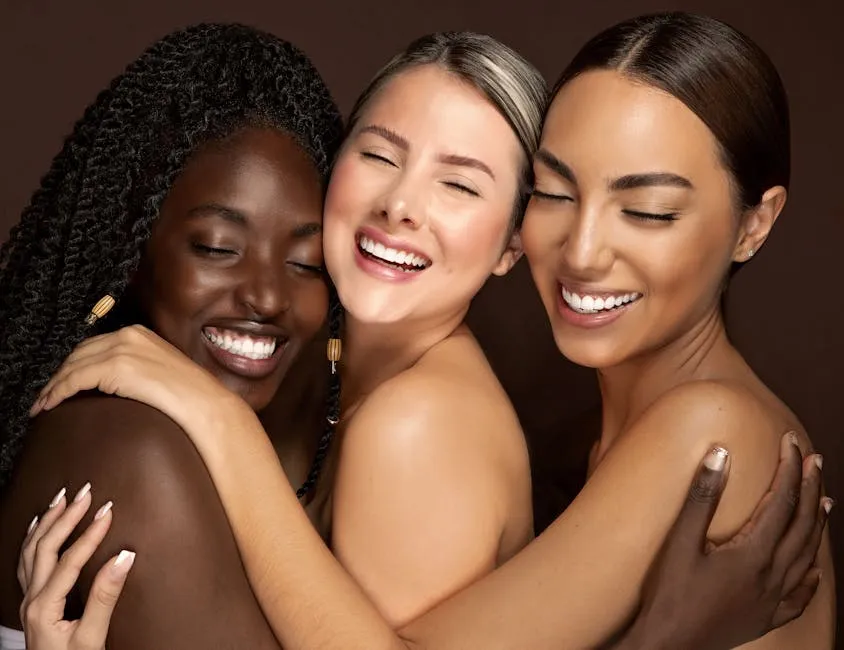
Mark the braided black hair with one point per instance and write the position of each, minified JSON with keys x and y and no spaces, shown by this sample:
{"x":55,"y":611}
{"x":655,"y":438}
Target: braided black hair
{"x":84,"y":231}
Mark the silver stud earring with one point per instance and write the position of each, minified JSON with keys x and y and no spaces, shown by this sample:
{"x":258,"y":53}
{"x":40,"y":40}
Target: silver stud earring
{"x":750,"y":253}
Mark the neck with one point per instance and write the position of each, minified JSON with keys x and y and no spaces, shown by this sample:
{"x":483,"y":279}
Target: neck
{"x":375,"y":353}
{"x":629,"y":388}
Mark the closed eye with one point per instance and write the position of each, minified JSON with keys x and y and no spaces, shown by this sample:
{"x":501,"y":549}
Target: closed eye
{"x":545,"y":196}
{"x":213,"y":251}
{"x":378,"y":158}
{"x":309,"y":268}
{"x":461,"y":188}
{"x":651,"y":216}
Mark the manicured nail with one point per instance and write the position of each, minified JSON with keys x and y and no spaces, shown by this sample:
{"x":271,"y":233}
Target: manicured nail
{"x":81,"y":494}
{"x":716,"y":459}
{"x":827,"y":504}
{"x":102,"y":511}
{"x":32,"y":525}
{"x":124,"y":562}
{"x":792,"y":438}
{"x":57,"y":499}
{"x":818,"y":461}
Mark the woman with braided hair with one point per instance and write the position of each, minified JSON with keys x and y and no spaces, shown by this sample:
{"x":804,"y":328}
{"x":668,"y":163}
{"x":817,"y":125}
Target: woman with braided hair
{"x":191,"y":192}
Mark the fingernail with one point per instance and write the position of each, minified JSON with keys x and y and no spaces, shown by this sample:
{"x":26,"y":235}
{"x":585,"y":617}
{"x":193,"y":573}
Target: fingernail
{"x":828,"y":504}
{"x":102,"y":511}
{"x":81,"y":494}
{"x":792,"y":438}
{"x":32,"y":525}
{"x":124,"y":562}
{"x":819,"y":461}
{"x":57,"y":499}
{"x":716,"y":459}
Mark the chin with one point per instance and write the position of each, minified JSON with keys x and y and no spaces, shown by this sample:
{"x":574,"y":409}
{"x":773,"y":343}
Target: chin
{"x":589,"y":354}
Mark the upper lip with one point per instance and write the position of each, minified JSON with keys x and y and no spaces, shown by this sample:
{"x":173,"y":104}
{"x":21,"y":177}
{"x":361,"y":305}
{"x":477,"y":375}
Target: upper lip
{"x":389,"y":241}
{"x":249,"y":327}
{"x":586,"y":290}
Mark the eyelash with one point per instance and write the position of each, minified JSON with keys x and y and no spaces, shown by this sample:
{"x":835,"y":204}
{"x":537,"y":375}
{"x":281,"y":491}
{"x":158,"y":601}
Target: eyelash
{"x":211,"y":250}
{"x":375,"y":156}
{"x":544,"y":196}
{"x":650,"y":216}
{"x":317,"y":270}
{"x":461,"y":188}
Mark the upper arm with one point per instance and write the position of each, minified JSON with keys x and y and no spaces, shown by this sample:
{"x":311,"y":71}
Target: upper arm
{"x":187,"y":588}
{"x":416,"y":511}
{"x":581,"y":579}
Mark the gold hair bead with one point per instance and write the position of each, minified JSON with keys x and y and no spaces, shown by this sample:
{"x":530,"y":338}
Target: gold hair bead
{"x":99,"y":310}
{"x":333,"y":351}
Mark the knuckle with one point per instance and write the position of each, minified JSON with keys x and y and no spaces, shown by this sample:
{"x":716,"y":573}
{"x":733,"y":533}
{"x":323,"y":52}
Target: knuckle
{"x":105,"y":597}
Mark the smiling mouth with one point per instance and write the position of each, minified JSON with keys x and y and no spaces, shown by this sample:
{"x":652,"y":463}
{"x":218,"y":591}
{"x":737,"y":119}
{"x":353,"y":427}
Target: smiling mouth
{"x":590,"y":304}
{"x":243,"y":345}
{"x":392,"y":257}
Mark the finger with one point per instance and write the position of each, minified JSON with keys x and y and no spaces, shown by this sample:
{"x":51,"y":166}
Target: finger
{"x":95,"y":372}
{"x":774,"y":512}
{"x":66,"y":572}
{"x":688,"y":535}
{"x":795,"y":566}
{"x":48,"y":546}
{"x":96,"y":346}
{"x":23,"y":576}
{"x":796,"y":602}
{"x":105,"y":592}
{"x":26,"y":560}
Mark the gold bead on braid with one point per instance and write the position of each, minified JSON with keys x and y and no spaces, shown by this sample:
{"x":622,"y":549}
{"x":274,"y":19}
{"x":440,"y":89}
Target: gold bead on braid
{"x":335,"y":348}
{"x":99,"y":310}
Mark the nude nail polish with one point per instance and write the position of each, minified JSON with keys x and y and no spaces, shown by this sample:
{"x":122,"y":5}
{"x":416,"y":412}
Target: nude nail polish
{"x":102,"y":511}
{"x":82,"y":492}
{"x":828,"y":504}
{"x":716,"y":459}
{"x":124,"y":561}
{"x":818,"y":461}
{"x":32,"y":525}
{"x":57,"y":499}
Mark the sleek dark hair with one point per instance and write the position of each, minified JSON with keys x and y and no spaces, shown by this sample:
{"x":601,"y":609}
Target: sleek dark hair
{"x":719,"y":74}
{"x":84,"y":230}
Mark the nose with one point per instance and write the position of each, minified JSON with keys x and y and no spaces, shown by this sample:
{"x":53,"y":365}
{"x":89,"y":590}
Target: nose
{"x":399,"y":205}
{"x":586,"y":250}
{"x":263,"y":288}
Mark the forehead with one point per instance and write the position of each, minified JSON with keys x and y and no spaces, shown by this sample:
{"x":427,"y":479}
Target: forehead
{"x":433,"y":107}
{"x":605,"y":119}
{"x":257,"y":171}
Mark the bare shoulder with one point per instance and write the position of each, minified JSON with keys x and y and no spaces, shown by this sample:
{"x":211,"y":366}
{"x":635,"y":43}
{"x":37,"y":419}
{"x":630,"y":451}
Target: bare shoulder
{"x":450,"y":400}
{"x":747,"y":420}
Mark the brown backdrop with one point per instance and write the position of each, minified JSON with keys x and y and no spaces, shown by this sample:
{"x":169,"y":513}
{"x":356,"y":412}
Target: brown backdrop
{"x":785,"y":311}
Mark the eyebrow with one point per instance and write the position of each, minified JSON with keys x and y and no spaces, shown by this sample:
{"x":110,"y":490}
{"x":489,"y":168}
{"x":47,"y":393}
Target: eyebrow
{"x":300,"y":231}
{"x":448,"y":159}
{"x":215,"y":209}
{"x":556,"y":165}
{"x":628,"y":182}
{"x":651,"y":179}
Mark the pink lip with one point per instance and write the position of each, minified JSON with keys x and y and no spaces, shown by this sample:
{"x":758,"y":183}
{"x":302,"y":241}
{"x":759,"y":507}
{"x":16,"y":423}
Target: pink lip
{"x":588,"y":321}
{"x":244,"y":367}
{"x":381,"y":270}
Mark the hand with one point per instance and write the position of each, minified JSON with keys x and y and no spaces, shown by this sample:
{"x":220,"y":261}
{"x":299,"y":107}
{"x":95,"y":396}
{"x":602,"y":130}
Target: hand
{"x":46,"y":580}
{"x":136,"y":363}
{"x":705,"y":596}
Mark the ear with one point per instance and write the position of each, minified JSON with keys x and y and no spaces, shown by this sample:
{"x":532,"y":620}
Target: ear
{"x":512,"y":252}
{"x":757,"y":223}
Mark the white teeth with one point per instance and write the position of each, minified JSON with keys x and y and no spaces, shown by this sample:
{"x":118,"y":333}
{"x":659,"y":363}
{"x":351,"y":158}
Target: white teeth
{"x":243,"y":345}
{"x":587,"y":304}
{"x":392,"y":255}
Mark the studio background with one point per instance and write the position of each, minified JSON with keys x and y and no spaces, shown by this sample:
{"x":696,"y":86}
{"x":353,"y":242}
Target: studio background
{"x":785,"y":309}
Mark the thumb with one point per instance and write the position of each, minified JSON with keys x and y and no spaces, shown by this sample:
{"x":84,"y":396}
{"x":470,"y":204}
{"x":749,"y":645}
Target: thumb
{"x":102,"y":599}
{"x":688,"y":536}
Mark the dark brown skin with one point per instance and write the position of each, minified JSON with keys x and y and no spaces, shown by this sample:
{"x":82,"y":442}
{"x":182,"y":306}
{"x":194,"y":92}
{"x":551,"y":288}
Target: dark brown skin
{"x":252,"y":263}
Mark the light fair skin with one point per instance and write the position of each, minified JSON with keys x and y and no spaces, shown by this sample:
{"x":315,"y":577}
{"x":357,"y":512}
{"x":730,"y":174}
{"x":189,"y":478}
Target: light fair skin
{"x":433,"y":483}
{"x":546,"y":572}
{"x":634,"y":207}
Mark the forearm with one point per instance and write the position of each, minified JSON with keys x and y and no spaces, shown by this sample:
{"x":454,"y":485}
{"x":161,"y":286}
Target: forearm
{"x":309,"y":600}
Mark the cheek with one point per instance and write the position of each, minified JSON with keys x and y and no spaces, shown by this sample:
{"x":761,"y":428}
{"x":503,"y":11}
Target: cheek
{"x":541,"y":237}
{"x":310,"y":306}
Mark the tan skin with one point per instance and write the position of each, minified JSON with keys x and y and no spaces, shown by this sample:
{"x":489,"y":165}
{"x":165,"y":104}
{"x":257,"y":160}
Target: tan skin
{"x":668,"y":373}
{"x":237,"y":246}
